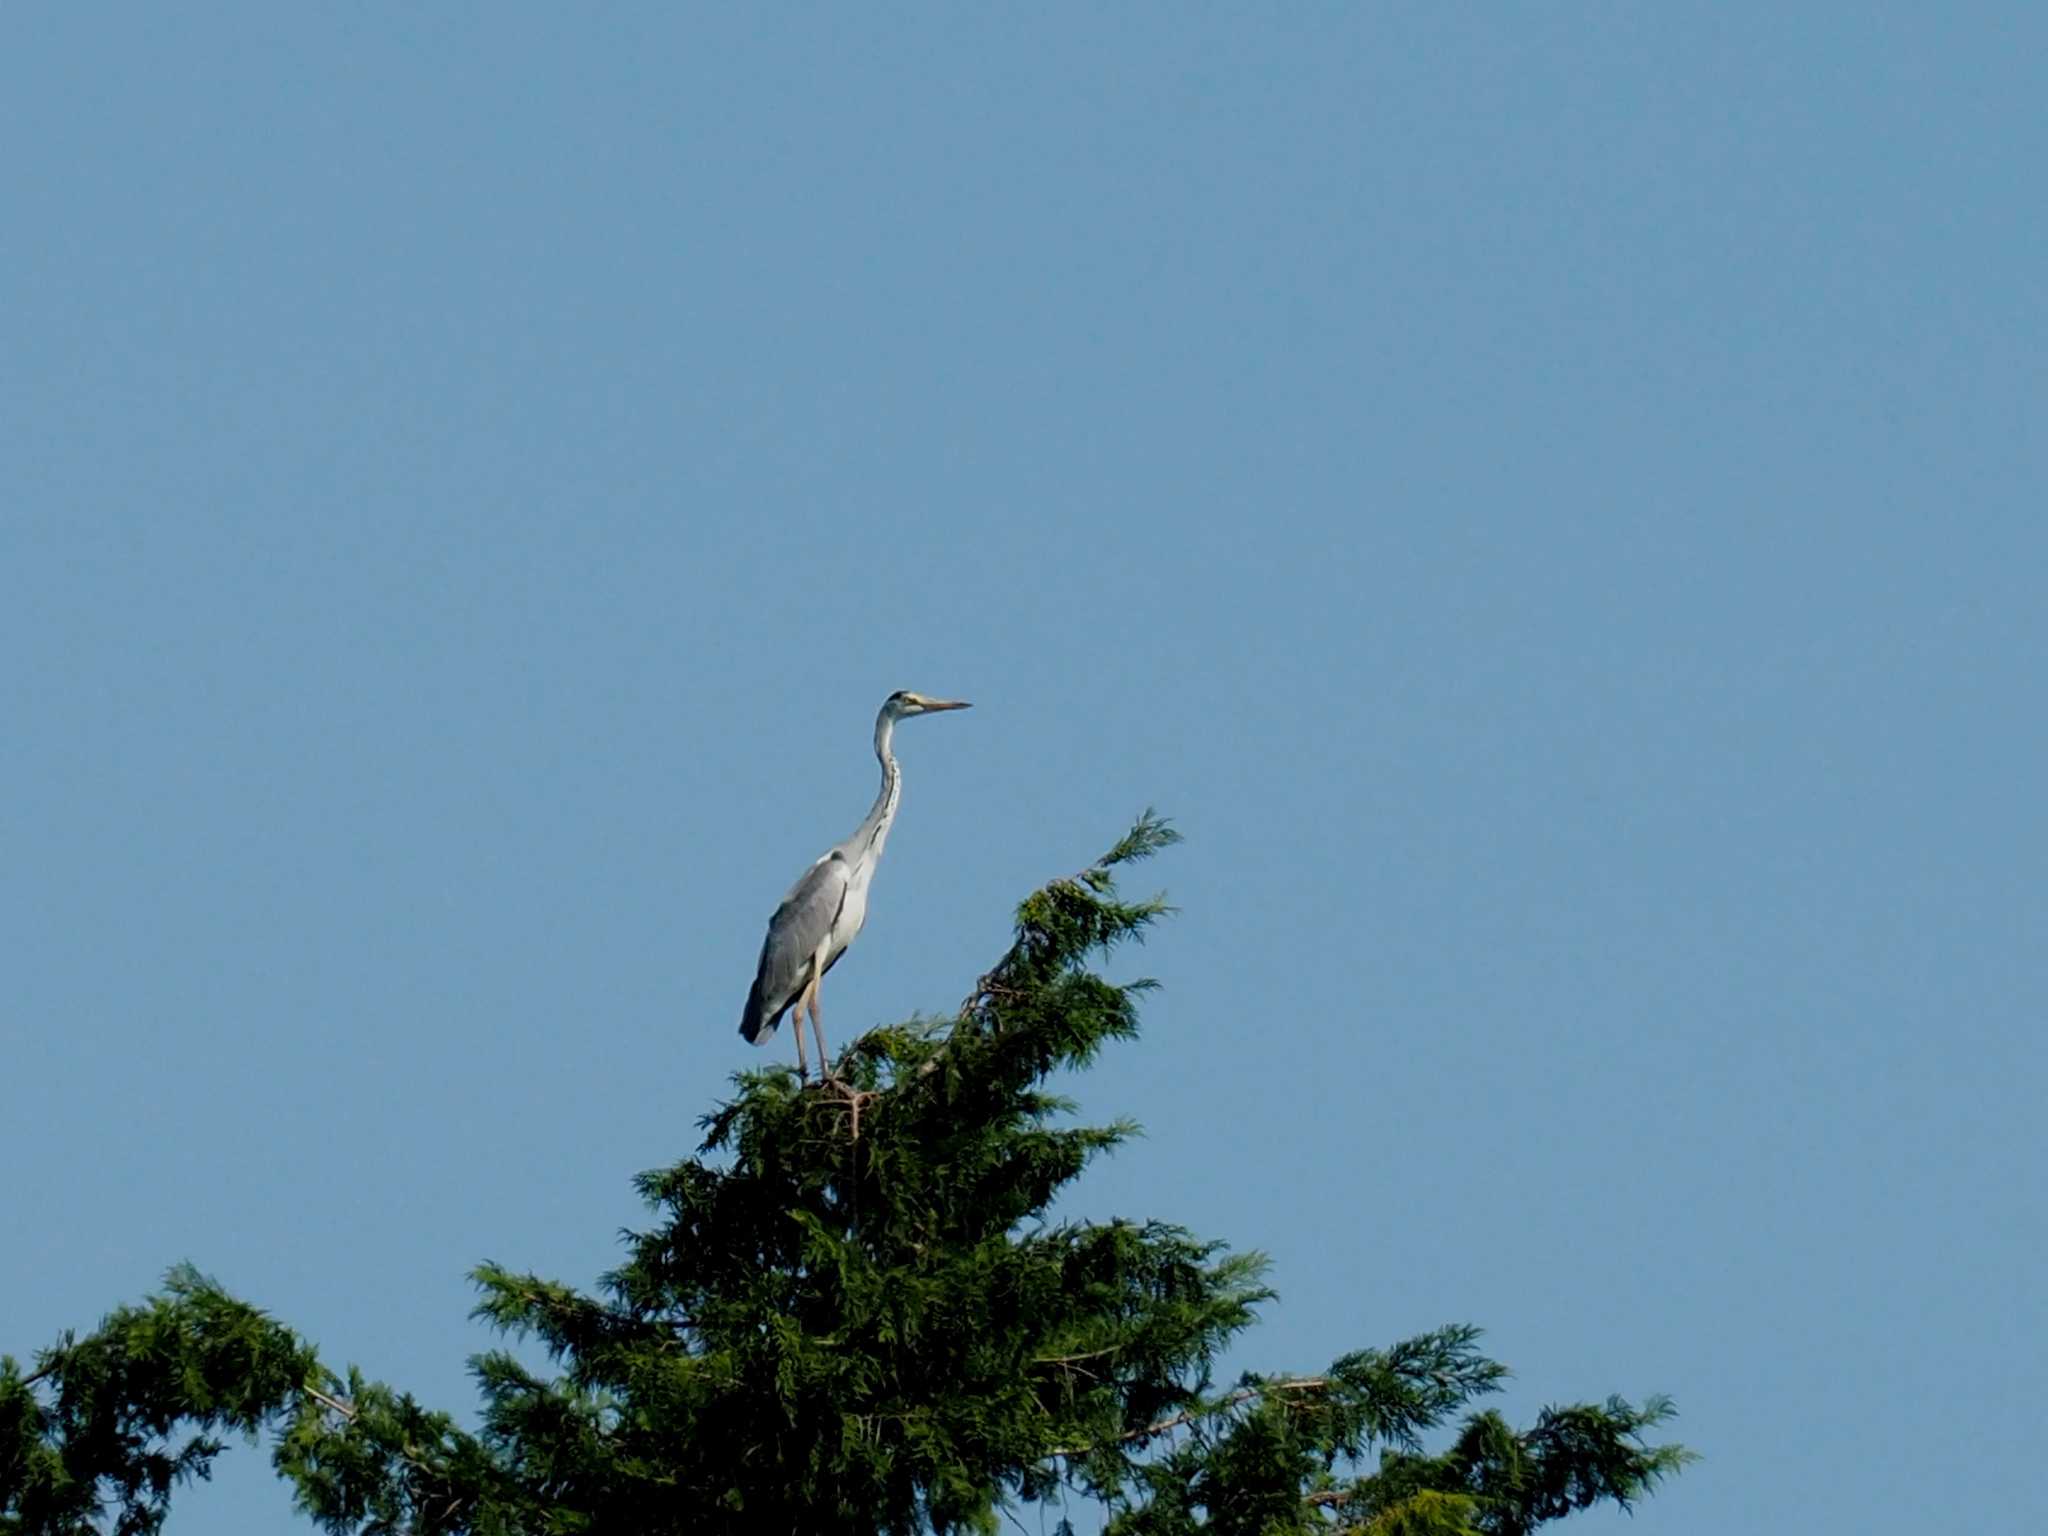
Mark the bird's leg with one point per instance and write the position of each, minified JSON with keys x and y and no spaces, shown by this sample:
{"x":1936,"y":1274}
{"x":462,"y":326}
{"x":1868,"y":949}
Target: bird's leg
{"x":818,"y":1030}
{"x":796,"y":1017}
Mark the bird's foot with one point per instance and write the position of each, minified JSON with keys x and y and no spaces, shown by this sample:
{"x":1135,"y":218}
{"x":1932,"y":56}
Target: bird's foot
{"x":855,"y":1099}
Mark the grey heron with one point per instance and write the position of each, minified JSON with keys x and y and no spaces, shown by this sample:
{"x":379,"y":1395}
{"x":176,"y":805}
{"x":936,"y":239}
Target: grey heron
{"x":824,"y":910}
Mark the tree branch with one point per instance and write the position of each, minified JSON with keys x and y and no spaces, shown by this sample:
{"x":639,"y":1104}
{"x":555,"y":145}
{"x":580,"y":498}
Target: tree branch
{"x":1086,"y":1354}
{"x":1189,"y":1415}
{"x":346,"y":1410}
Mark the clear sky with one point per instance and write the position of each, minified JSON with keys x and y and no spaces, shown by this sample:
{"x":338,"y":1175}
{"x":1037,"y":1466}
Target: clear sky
{"x":1551,"y":498}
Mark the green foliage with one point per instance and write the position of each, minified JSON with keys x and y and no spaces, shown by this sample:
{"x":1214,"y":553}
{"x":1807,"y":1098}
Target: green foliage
{"x":852,"y":1313}
{"x":117,"y":1420}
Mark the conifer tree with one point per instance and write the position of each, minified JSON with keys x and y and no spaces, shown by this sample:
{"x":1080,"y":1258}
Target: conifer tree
{"x":851,"y":1312}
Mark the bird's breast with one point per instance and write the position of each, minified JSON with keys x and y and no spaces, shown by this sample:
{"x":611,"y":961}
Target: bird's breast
{"x":853,"y":912}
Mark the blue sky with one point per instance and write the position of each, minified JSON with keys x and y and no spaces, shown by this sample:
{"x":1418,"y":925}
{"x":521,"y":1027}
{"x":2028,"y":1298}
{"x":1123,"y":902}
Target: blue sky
{"x":1550,"y":499}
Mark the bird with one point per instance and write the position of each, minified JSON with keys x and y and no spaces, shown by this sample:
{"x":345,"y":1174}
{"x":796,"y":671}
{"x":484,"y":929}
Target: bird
{"x":826,"y":907}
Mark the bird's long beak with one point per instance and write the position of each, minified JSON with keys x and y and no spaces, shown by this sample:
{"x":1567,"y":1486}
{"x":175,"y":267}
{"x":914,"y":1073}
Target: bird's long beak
{"x":931,"y":704}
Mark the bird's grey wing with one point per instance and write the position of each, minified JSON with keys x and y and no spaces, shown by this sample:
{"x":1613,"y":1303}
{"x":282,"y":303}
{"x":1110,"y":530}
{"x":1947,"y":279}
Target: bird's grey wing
{"x":796,"y":930}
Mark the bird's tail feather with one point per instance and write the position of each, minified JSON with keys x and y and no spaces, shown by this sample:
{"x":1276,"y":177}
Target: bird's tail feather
{"x":756,"y":1027}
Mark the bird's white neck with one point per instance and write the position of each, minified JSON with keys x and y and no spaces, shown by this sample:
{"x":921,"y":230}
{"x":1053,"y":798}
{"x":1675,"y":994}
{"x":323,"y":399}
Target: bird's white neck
{"x":874,"y":832}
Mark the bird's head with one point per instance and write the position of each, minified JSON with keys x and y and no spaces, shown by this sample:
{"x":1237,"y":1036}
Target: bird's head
{"x":903,"y":704}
